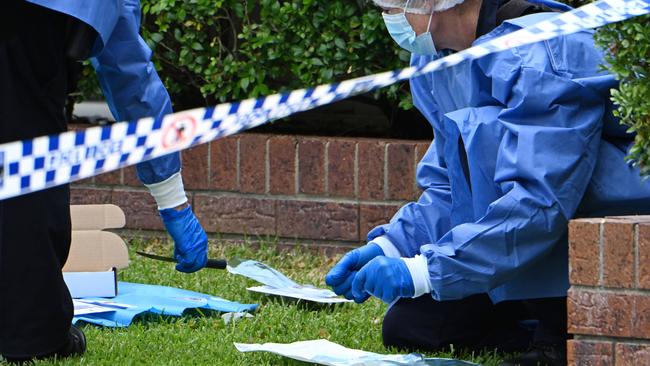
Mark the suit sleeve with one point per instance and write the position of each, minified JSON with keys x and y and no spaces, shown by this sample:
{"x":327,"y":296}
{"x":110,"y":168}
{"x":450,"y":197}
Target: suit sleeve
{"x":427,"y":219}
{"x":132,"y":86}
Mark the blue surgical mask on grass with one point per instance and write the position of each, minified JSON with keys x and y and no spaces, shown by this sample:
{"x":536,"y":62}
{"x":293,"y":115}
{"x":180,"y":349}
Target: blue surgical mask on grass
{"x":402,"y":32}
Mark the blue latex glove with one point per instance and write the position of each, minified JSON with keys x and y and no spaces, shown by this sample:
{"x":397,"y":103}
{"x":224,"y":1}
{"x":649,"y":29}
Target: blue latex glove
{"x":340,"y":277}
{"x":190,"y":241}
{"x":383,"y":277}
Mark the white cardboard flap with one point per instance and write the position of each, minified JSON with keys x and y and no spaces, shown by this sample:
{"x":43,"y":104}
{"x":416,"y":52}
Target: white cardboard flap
{"x":91,"y":284}
{"x":93,"y":250}
{"x":96,"y":217}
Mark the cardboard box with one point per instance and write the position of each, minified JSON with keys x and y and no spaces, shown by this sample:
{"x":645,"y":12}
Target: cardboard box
{"x":91,"y":284}
{"x":96,"y":217}
{"x":94,"y":250}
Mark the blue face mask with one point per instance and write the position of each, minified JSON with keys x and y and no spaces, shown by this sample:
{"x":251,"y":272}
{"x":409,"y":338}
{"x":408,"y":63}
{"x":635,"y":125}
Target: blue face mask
{"x":401,"y":31}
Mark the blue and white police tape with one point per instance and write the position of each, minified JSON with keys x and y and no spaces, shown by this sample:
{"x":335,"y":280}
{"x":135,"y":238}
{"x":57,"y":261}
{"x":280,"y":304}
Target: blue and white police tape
{"x":32,"y":165}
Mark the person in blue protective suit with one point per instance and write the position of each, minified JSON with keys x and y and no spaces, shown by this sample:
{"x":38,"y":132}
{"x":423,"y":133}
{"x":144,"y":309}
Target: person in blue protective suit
{"x":525,"y":140}
{"x":39,"y":40}
{"x":133,"y":90}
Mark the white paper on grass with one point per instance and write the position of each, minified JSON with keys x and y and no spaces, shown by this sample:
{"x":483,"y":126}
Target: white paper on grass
{"x":324,"y":352}
{"x":298,"y":293}
{"x":108,"y":304}
{"x":260,"y":272}
{"x":233,"y":317}
{"x":84,"y":308}
{"x":279,"y":284}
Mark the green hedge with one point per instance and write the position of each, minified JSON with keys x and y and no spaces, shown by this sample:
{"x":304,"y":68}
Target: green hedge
{"x":211,"y":51}
{"x":627,"y":54}
{"x":627,"y":47}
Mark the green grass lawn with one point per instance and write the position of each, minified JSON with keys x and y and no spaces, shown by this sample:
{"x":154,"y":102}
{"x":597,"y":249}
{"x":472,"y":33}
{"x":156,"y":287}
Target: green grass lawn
{"x":206,"y":340}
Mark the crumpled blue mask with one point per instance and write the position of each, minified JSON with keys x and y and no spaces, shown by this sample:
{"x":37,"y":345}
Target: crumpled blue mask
{"x":402,"y":32}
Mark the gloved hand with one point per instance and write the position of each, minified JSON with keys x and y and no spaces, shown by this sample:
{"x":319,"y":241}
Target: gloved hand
{"x":383,"y":277}
{"x":190,"y":241}
{"x":340,"y":277}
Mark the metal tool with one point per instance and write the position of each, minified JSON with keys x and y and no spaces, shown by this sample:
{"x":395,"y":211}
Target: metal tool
{"x":212,"y":263}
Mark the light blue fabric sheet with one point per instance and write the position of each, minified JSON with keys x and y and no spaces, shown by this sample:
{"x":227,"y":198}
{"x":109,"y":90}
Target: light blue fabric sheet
{"x":161,"y":300}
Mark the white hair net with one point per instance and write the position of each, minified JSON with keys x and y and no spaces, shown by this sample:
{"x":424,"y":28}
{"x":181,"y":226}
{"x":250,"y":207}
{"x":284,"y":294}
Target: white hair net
{"x":419,"y":6}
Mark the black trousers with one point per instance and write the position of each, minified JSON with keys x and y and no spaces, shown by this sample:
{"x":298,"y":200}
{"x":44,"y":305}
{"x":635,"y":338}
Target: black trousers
{"x":474,"y":324}
{"x":35,"y":305}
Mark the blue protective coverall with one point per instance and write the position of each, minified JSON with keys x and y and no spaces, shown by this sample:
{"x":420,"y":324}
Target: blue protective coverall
{"x":133,"y":90}
{"x":524,"y":141}
{"x":123,"y":64}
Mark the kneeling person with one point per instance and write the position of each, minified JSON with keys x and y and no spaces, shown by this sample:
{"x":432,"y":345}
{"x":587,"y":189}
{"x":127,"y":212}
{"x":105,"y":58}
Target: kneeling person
{"x":525,"y":140}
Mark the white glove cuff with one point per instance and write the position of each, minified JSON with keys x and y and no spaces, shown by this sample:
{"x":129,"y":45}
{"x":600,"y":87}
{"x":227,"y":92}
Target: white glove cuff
{"x":387,"y":246}
{"x":419,"y":269}
{"x":169,"y":193}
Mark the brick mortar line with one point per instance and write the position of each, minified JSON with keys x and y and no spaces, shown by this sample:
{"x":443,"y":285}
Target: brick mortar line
{"x":209,"y":167}
{"x":130,"y":233}
{"x":276,"y":224}
{"x":99,"y":186}
{"x":355,"y":170}
{"x":267,"y":167}
{"x":386,"y":190}
{"x":300,"y":137}
{"x":415,"y":169}
{"x":296,"y":167}
{"x":299,"y":197}
{"x":601,"y":253}
{"x":212,"y":193}
{"x":326,"y":167}
{"x":238,"y":162}
{"x":615,"y":340}
{"x":635,"y":307}
{"x":637,"y":268}
{"x":112,"y":187}
{"x":611,"y":290}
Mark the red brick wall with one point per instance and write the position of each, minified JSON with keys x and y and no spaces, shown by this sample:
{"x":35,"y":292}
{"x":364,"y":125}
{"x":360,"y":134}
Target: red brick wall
{"x":609,"y":298}
{"x":294,"y":187}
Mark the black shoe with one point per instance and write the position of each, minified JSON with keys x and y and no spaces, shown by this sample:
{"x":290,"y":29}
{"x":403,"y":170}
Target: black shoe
{"x":76,"y":346}
{"x":540,"y":355}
